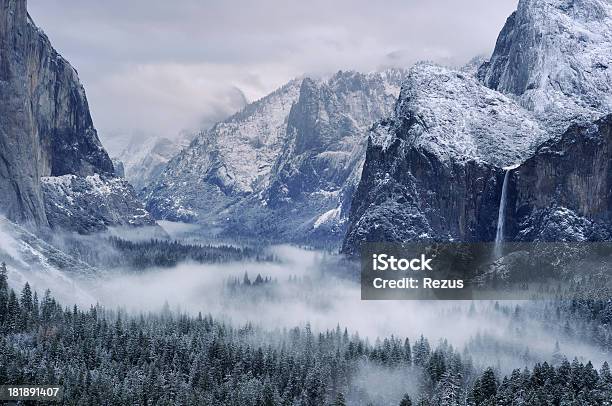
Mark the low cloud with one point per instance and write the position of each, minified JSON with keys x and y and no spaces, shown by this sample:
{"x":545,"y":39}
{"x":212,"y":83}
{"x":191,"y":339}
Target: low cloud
{"x":325,"y":301}
{"x":157,"y":97}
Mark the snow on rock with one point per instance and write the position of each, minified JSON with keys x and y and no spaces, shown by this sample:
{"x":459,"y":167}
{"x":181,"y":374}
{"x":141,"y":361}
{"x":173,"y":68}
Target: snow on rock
{"x":435,"y":168}
{"x":144,"y":160}
{"x":455,"y":117}
{"x":45,"y":125}
{"x":326,"y":217}
{"x":555,"y":58}
{"x":556,"y":224}
{"x":91,"y":203}
{"x":53,"y":167}
{"x":275,"y":167}
{"x":232,"y":158}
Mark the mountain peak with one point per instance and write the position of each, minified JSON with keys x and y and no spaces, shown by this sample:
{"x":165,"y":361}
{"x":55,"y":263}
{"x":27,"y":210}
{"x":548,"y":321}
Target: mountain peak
{"x":285,"y":165}
{"x":47,"y":137}
{"x":554,"y":57}
{"x":580,"y":10}
{"x":436,"y":169}
{"x":452,"y":115}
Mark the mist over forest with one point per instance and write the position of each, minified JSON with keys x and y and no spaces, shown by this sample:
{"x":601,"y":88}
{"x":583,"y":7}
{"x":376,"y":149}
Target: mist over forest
{"x":284,"y":301}
{"x":272,"y":254}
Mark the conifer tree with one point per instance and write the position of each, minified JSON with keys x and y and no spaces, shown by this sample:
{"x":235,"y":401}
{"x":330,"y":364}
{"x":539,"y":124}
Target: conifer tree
{"x":406,"y":401}
{"x":488,"y":384}
{"x":340,"y":400}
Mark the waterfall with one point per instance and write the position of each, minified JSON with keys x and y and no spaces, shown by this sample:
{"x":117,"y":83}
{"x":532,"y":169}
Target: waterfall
{"x":501,"y":217}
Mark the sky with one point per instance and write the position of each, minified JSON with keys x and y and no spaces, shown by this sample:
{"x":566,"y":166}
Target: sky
{"x":158,"y":68}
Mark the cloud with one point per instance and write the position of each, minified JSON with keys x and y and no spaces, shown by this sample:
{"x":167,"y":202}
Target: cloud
{"x":158,"y":67}
{"x":164,"y":98}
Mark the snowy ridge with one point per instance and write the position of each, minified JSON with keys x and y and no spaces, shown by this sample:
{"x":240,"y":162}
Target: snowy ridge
{"x":225,"y":163}
{"x":552,"y":66}
{"x":91,"y":203}
{"x":555,"y":58}
{"x":328,"y":216}
{"x":301,"y":146}
{"x":327,"y":132}
{"x":454,"y":134}
{"x":455,"y":117}
{"x":245,"y":146}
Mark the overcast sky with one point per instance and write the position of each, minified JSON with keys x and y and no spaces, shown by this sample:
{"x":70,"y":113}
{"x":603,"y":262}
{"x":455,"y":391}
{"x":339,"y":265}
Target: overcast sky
{"x":156,"y":67}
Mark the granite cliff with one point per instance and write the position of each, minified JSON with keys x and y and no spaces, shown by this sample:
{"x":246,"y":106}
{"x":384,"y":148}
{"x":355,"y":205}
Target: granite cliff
{"x":46,"y":129}
{"x":435,"y":169}
{"x":285,"y":167}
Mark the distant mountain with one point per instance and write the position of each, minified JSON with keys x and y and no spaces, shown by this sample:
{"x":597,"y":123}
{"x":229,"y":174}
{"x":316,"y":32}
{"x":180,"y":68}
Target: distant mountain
{"x":435,"y":169}
{"x":46,"y":130}
{"x":285,"y":166}
{"x":144,"y":160}
{"x":225,"y":163}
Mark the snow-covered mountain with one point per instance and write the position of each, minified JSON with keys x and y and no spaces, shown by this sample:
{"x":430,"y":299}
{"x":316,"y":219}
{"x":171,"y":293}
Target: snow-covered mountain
{"x":284,"y":166}
{"x":455,"y":117}
{"x":222,"y":164}
{"x":554,"y":57}
{"x":435,"y":168}
{"x":144,"y":160}
{"x":46,"y":132}
{"x":87,"y":204}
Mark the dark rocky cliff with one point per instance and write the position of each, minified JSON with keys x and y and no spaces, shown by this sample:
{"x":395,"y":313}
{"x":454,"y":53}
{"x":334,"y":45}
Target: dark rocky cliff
{"x":46,"y":129}
{"x":435,"y":169}
{"x":564,"y":192}
{"x":409,"y":194}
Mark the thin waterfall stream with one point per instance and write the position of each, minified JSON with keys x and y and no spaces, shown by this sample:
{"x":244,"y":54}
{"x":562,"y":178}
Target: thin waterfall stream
{"x":501,"y":216}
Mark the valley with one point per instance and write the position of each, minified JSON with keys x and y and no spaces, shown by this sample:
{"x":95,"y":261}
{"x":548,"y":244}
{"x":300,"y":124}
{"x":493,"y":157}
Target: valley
{"x":224,"y":264}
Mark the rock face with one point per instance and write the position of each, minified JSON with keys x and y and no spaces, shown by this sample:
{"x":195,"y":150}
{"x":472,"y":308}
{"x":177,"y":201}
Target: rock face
{"x":555,"y":58}
{"x":456,"y":118}
{"x":92,"y":203}
{"x":285,"y":166}
{"x":45,"y":125}
{"x":435,"y":169}
{"x":432,"y":171}
{"x":564,"y":192}
{"x":226,"y":163}
{"x":119,"y":168}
